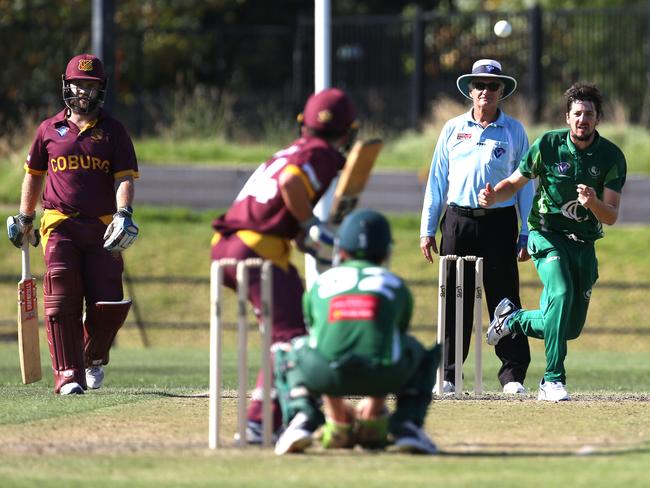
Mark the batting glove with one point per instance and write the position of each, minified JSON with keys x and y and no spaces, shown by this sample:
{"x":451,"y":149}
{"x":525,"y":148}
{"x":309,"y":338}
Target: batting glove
{"x":21,"y":225}
{"x":121,"y":232}
{"x":318,"y":242}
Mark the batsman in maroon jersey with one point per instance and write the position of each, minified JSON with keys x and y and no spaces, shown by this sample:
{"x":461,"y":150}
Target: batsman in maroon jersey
{"x":86,"y":160}
{"x":275,"y":207}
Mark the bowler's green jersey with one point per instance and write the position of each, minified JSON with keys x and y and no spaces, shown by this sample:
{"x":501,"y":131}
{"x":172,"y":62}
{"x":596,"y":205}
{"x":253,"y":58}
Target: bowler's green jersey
{"x":358,"y":307}
{"x":560,"y":167}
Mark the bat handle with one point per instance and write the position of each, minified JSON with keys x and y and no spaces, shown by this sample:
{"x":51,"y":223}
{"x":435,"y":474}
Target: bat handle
{"x":27,"y":273}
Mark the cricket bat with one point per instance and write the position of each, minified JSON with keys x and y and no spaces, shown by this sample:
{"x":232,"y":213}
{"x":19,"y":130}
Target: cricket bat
{"x":354,"y":177}
{"x":30,"y":353}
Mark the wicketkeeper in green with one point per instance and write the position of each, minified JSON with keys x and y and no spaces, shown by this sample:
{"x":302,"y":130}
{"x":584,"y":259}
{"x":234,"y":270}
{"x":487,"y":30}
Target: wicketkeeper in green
{"x":357,"y":315}
{"x":580,"y":178}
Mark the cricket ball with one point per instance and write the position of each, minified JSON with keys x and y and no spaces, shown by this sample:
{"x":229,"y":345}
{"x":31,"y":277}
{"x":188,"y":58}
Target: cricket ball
{"x":502,"y":28}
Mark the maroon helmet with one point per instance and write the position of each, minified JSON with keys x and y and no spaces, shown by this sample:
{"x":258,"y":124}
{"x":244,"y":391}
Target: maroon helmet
{"x":329,"y":111}
{"x":84,"y":67}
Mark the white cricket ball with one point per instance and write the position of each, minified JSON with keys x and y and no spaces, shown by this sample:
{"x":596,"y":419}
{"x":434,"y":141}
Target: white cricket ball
{"x":502,"y":28}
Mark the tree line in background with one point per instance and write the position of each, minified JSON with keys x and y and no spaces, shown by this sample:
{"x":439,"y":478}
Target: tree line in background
{"x":241,"y":62}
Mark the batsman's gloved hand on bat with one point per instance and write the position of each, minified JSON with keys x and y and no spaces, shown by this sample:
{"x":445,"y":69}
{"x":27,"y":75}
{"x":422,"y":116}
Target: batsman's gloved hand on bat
{"x":121,"y":232}
{"x":318,"y":242}
{"x":21,"y":225}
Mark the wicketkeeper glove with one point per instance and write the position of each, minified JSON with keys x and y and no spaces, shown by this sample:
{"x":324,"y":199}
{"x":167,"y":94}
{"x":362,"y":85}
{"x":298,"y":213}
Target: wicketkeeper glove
{"x":122,"y":231}
{"x":21,"y":225}
{"x":318,"y":242}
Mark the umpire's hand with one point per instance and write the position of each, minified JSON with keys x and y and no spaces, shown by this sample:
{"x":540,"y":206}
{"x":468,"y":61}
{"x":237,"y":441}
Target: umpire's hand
{"x":428,"y":244}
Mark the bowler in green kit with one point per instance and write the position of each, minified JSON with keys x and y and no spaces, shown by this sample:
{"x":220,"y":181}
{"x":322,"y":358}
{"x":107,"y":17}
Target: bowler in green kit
{"x":580,"y":178}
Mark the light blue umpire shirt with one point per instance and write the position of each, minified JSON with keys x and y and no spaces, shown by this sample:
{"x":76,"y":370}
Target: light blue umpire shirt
{"x":466,"y":158}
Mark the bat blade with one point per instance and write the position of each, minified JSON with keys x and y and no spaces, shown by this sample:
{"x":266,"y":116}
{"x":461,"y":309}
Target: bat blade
{"x":28,"y":341}
{"x":354,"y":177}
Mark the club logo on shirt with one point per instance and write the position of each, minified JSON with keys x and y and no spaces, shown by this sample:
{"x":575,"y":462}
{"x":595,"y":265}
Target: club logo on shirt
{"x":62,"y":130}
{"x":588,"y":295}
{"x":463,"y":136}
{"x":594,"y":171}
{"x":571,"y":210}
{"x":498,"y":152}
{"x":96,"y":134}
{"x":563,"y":167}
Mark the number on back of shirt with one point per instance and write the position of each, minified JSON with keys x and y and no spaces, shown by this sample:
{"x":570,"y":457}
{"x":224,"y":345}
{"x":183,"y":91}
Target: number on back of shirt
{"x":373,"y":279}
{"x":262,"y":186}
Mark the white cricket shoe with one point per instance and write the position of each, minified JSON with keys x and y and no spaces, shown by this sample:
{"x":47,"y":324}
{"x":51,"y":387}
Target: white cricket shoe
{"x":448,"y":388}
{"x":73,"y":388}
{"x":297,"y":436}
{"x":498,"y":327}
{"x":552,"y":391}
{"x":255,"y":434}
{"x":514,"y":388}
{"x":410,"y":438}
{"x":95,"y":377}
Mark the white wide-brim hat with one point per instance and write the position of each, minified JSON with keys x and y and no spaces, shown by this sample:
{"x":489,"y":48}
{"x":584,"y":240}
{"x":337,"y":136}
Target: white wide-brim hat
{"x":486,"y":68}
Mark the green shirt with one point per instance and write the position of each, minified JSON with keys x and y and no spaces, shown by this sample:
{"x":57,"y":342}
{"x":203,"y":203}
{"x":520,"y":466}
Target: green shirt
{"x":358,"y":307}
{"x":560,"y":167}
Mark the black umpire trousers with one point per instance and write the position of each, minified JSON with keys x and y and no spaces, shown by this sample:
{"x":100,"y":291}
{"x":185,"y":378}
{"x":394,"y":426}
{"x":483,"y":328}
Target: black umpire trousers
{"x":491,"y":234}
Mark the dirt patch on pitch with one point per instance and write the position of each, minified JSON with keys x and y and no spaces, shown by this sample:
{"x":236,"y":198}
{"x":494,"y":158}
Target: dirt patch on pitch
{"x":490,"y":424}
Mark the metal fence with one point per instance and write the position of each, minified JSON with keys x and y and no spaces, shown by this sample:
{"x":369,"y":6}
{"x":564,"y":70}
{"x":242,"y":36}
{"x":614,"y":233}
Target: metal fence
{"x":396,"y":67}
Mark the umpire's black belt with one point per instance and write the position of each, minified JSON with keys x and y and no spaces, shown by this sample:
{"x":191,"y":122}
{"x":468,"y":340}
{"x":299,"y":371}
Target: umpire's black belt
{"x":475,"y":212}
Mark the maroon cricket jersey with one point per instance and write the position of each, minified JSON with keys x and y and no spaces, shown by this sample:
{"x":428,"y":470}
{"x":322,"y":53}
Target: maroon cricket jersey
{"x":81,"y":166}
{"x":259,"y":206}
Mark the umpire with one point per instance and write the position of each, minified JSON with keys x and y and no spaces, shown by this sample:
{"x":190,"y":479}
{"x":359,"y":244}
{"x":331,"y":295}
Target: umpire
{"x":480,"y":146}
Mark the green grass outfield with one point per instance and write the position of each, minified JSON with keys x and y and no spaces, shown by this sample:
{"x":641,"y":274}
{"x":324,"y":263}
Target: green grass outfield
{"x":148,"y":426}
{"x":407,"y":151}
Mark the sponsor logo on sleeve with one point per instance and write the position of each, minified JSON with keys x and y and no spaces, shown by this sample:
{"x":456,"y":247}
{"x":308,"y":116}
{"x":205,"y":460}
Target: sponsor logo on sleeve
{"x":463,"y":136}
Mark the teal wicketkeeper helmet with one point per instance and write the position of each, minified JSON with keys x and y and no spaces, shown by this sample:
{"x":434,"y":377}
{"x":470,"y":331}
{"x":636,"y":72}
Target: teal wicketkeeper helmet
{"x":365,"y":234}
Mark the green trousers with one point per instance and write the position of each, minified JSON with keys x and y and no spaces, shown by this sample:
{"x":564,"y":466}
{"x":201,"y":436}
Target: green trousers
{"x":302,"y":375}
{"x":568,"y":270}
